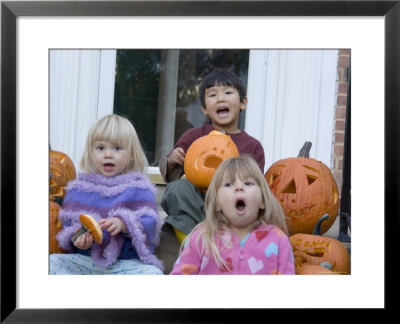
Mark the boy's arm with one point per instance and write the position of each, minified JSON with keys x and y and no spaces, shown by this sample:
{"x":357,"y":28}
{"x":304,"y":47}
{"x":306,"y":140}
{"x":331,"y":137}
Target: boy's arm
{"x":170,"y":174}
{"x":171,"y":166}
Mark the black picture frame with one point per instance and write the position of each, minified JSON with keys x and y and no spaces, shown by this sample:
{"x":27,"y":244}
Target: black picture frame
{"x":10,"y":10}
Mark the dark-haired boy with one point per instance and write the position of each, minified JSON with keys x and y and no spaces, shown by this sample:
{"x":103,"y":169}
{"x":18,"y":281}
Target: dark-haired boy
{"x":222,"y":97}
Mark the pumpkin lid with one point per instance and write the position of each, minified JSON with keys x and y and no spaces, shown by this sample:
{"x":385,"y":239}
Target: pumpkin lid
{"x":92,"y":226}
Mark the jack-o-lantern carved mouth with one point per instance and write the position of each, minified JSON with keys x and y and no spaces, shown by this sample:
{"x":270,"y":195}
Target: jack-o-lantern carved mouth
{"x":315,"y":249}
{"x":299,"y":213}
{"x":212,"y":162}
{"x":207,"y":160}
{"x":316,"y":252}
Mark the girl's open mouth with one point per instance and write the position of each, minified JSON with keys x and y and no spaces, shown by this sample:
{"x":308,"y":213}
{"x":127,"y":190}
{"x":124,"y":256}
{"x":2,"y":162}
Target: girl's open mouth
{"x":240,"y":205}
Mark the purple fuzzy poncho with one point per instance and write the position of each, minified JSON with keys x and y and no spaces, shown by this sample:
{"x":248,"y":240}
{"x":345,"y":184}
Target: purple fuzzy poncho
{"x":129,"y":196}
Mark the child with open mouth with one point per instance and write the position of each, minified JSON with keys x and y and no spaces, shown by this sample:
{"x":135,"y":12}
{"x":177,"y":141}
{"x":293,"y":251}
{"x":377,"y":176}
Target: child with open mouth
{"x":244,"y":231}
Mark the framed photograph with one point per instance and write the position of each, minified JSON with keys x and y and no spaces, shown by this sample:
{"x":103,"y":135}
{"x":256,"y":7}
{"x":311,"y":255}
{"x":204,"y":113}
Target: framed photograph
{"x":371,"y":29}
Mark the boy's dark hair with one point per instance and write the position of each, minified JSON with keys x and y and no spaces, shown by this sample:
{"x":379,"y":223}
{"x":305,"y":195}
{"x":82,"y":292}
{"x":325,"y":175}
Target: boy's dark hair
{"x":220,"y":77}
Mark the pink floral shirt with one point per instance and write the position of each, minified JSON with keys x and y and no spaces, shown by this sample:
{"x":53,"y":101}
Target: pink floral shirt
{"x":266,"y":250}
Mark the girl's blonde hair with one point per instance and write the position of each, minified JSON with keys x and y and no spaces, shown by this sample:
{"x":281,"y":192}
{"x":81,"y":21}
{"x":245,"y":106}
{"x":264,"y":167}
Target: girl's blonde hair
{"x":215,"y":222}
{"x":117,"y":130}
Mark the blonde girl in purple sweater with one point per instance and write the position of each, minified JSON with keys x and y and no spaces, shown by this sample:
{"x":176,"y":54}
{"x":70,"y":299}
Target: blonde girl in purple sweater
{"x":244,"y":231}
{"x":114,"y":189}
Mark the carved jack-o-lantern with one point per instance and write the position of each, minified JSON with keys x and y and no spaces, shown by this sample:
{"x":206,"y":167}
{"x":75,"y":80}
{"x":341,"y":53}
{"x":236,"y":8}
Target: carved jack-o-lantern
{"x":62,"y":170}
{"x":204,"y":156}
{"x":316,"y":249}
{"x":306,"y":190}
{"x":55,"y":227}
{"x":320,"y":250}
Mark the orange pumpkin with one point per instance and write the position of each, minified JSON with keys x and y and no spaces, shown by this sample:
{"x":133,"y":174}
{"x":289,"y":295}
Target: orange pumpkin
{"x":309,"y":269}
{"x":306,"y":190}
{"x":62,"y":170}
{"x":204,"y":156}
{"x":320,"y":250}
{"x":55,"y":227}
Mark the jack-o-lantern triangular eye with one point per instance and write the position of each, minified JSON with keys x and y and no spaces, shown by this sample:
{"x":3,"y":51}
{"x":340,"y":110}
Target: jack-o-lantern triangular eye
{"x":290,"y":188}
{"x":311,"y":179}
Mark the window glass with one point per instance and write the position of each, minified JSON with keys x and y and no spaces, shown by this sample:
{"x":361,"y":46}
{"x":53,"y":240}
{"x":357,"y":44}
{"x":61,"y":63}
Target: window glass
{"x":136,"y":93}
{"x":158,"y":91}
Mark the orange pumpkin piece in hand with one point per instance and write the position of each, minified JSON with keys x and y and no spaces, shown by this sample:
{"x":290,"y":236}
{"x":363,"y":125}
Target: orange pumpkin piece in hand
{"x":89,"y":224}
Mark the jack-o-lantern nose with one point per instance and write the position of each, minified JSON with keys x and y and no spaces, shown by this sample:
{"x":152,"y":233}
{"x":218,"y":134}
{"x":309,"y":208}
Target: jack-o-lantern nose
{"x":290,"y":188}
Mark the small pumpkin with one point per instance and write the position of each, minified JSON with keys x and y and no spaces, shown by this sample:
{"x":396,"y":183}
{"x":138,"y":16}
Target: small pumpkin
{"x":320,"y":250}
{"x":306,"y":190}
{"x":204,"y":156}
{"x":62,"y":170}
{"x":55,"y":227}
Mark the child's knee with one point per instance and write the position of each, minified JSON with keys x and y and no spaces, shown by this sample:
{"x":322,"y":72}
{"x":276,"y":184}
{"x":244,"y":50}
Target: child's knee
{"x":180,"y":187}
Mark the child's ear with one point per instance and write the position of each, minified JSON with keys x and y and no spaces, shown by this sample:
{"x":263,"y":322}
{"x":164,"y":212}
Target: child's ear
{"x":218,"y":207}
{"x":243,"y":104}
{"x":204,"y":109}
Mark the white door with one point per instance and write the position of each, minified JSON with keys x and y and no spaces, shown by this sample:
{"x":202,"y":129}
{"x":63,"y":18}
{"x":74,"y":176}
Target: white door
{"x":291,"y":99}
{"x":81,"y":91}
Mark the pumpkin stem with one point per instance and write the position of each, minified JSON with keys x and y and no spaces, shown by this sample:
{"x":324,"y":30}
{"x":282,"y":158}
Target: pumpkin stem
{"x":81,"y":231}
{"x":305,"y":150}
{"x":317,"y":228}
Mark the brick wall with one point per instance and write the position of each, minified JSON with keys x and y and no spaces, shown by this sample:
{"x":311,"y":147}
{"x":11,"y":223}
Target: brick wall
{"x":340,"y":115}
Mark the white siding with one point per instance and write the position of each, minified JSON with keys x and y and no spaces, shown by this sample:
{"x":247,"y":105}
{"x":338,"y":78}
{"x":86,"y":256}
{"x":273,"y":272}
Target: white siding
{"x":291,"y":99}
{"x":81,"y":91}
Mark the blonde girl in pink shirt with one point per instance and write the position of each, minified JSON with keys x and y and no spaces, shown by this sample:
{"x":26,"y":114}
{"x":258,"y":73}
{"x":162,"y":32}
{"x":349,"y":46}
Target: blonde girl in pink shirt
{"x":244,"y":231}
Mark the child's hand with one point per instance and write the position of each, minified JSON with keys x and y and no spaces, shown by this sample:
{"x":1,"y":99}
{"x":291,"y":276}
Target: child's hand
{"x":84,"y":242}
{"x":177,"y":156}
{"x":113,"y":225}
